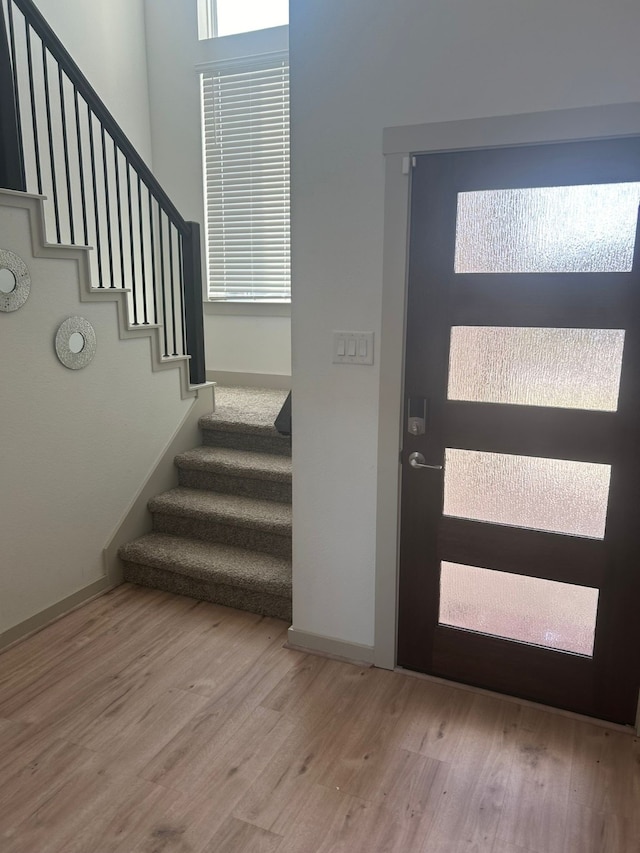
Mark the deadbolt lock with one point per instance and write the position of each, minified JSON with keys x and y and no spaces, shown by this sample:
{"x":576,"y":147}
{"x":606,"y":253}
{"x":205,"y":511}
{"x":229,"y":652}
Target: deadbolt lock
{"x":417,"y":415}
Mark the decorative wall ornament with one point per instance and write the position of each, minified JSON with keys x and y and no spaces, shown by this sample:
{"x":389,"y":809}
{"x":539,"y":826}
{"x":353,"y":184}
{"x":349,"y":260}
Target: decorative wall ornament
{"x":15,"y":281}
{"x":75,"y":343}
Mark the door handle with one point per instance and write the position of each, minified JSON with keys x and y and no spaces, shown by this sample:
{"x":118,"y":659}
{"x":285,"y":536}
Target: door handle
{"x":416,"y":460}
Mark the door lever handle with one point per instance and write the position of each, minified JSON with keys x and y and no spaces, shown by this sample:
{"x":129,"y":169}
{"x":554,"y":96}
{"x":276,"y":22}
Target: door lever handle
{"x":416,"y":460}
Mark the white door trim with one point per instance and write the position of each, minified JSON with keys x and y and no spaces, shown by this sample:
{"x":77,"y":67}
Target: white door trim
{"x":611,"y":120}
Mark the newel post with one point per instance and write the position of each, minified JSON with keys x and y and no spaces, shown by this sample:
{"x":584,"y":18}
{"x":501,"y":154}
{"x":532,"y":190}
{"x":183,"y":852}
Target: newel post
{"x":193,"y":303}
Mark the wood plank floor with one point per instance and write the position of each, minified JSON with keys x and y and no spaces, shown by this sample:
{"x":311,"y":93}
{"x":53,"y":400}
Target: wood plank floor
{"x":151,"y":723}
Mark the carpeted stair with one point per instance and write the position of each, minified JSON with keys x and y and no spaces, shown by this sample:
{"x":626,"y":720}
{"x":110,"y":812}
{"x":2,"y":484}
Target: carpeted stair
{"x":224,"y":534}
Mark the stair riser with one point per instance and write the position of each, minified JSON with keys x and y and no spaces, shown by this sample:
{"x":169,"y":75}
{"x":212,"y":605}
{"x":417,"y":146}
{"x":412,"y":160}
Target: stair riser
{"x":242,"y":599}
{"x":246,"y":487}
{"x":211,"y":531}
{"x":278,"y":445}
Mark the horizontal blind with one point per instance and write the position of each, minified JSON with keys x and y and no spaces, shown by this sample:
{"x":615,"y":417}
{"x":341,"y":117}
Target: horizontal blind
{"x":246,"y":143}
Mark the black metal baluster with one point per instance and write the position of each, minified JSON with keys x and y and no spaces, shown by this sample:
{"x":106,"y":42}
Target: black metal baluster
{"x":154,"y":283}
{"x":105,"y":174}
{"x":94,"y":184}
{"x":83,"y":199}
{"x":65,"y":148}
{"x":47,"y":103}
{"x":183,"y":306}
{"x":164,"y":285}
{"x":142,"y":258}
{"x":131,"y":243}
{"x":34,"y":119}
{"x":116,"y":166}
{"x":14,"y":66}
{"x":173,"y":292}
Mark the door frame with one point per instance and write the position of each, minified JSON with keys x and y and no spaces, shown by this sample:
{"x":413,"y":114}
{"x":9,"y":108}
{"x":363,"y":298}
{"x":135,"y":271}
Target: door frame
{"x":399,"y":145}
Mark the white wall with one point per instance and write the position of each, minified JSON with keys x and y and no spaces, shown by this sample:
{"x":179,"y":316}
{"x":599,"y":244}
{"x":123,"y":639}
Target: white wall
{"x":248,"y":343}
{"x":357,"y":67}
{"x":173,"y":51}
{"x":76,"y":445}
{"x":107,"y":40}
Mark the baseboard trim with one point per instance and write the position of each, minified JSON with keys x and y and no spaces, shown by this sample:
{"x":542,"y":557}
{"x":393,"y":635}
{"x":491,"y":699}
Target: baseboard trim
{"x":305,"y":641}
{"x":231,"y":378}
{"x":36,"y":623}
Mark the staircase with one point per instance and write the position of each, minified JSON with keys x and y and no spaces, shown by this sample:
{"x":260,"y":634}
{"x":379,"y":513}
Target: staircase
{"x":224,"y":534}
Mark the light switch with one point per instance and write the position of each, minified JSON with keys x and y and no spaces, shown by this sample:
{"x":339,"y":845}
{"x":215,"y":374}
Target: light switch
{"x":353,"y":347}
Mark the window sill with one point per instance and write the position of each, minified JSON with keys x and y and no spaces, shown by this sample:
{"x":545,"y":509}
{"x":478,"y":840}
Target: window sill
{"x":249,"y":309}
{"x":252,"y":43}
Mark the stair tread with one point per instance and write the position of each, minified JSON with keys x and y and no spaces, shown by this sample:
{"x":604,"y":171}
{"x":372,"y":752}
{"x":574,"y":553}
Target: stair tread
{"x":239,"y":463}
{"x":248,"y":410}
{"x":271,"y":516}
{"x":223,"y":564}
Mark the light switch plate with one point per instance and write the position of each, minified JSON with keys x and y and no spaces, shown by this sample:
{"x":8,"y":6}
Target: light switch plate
{"x":360,"y":343}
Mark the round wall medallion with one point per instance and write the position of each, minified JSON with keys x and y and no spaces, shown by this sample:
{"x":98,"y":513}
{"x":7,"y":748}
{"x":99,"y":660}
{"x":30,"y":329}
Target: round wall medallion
{"x":75,"y":343}
{"x":15,"y":281}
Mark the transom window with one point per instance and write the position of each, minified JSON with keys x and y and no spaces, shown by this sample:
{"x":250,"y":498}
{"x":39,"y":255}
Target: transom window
{"x":228,"y":17}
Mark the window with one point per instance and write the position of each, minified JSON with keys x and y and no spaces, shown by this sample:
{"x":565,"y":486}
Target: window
{"x":228,"y":17}
{"x":246,"y":148}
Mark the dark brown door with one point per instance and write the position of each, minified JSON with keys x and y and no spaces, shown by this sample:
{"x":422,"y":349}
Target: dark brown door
{"x":520,"y":557}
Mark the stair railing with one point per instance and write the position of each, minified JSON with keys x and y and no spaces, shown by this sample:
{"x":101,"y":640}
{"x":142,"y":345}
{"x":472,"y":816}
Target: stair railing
{"x":99,"y":190}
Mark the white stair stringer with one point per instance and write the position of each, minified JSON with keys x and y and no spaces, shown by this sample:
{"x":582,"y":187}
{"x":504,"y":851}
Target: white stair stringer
{"x":41,"y":248}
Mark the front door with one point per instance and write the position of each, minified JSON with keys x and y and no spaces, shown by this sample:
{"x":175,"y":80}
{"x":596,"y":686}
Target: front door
{"x":520,"y":531}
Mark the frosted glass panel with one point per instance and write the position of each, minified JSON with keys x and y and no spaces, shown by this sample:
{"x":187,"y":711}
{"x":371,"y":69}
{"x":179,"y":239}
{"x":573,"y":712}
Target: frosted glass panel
{"x":570,"y":368}
{"x":527,"y":491}
{"x":547,"y":229}
{"x":547,"y":613}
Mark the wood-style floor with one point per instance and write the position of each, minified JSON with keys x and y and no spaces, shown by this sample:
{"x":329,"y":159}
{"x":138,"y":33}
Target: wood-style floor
{"x":150,"y":723}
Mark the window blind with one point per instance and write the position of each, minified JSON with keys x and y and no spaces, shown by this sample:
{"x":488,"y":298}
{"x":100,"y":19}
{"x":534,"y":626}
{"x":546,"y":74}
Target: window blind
{"x":246,"y":149}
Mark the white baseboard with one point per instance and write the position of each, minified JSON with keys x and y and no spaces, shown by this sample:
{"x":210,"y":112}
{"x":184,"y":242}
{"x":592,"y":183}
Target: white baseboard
{"x":231,"y":378}
{"x":305,"y":641}
{"x":35,"y":623}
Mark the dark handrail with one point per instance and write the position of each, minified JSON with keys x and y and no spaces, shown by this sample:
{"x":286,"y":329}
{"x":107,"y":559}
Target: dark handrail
{"x":63,"y":58}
